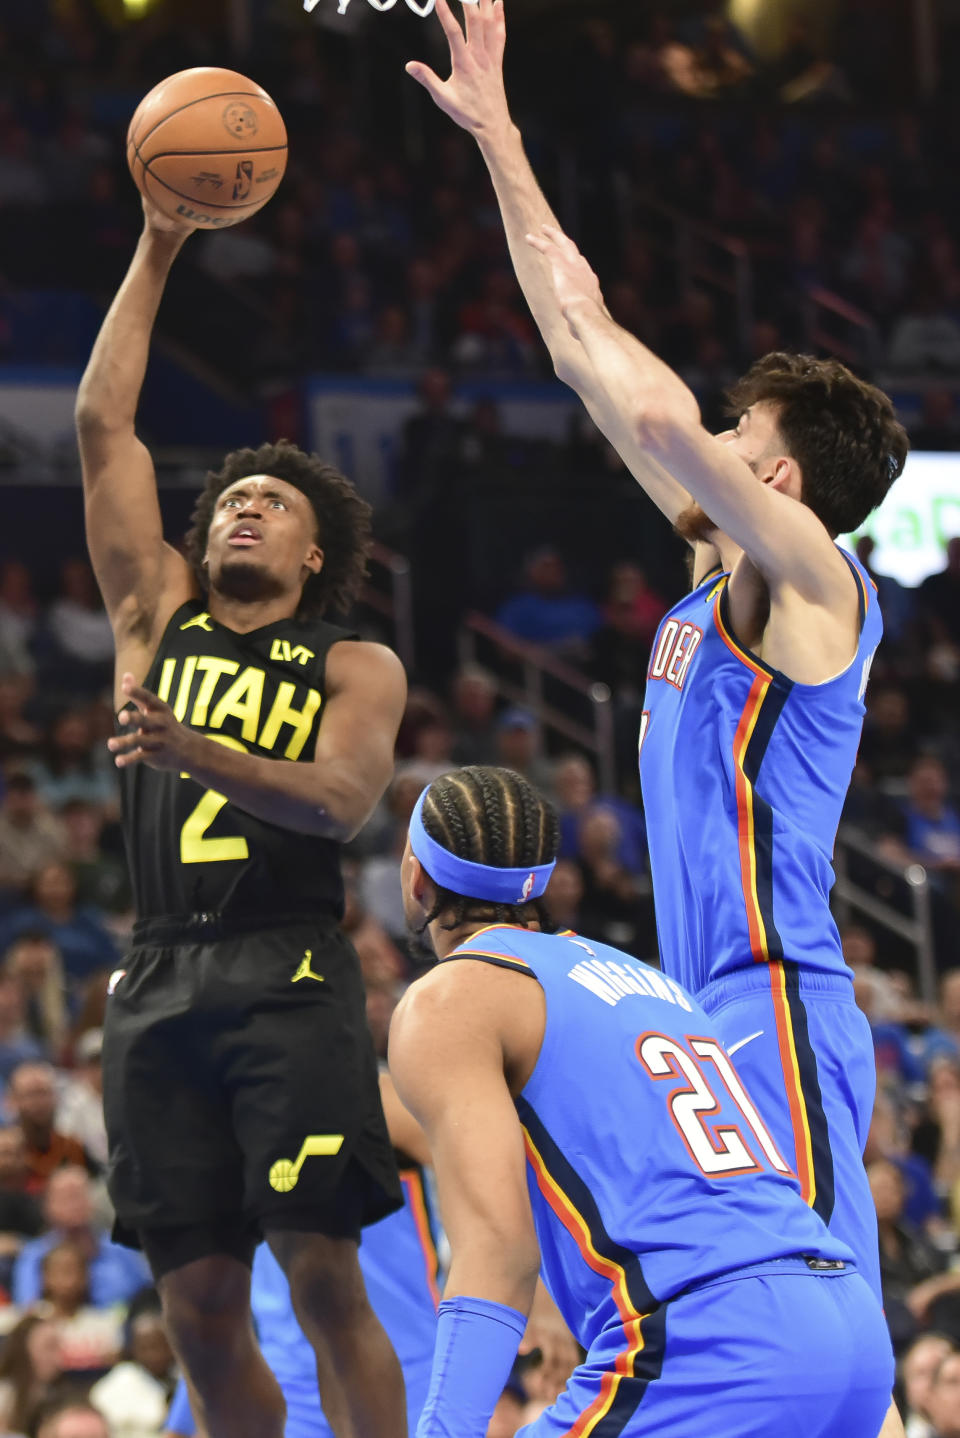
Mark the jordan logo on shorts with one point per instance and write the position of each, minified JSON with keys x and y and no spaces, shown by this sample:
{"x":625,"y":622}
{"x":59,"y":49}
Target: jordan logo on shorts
{"x":305,"y":971}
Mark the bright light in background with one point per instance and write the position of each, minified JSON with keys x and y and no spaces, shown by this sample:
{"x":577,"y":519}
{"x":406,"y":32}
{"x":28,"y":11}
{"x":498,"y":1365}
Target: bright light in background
{"x":136,"y":9}
{"x":914,"y":522}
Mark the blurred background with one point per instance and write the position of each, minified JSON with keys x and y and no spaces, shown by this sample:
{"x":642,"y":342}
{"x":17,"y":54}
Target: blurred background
{"x":744,"y":176}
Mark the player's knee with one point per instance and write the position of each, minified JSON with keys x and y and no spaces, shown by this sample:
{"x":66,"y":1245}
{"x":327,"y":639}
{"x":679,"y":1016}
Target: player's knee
{"x":206,"y":1306}
{"x":326,"y":1282}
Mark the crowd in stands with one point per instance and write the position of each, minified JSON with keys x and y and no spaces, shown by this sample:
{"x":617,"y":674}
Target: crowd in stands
{"x":368,"y":262}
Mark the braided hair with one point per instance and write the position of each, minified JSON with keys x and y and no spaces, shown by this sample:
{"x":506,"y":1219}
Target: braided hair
{"x":494,"y":817}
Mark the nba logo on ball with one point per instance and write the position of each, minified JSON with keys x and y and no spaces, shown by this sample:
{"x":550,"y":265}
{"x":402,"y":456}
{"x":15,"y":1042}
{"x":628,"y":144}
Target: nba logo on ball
{"x":527,"y":886}
{"x":243,"y":179}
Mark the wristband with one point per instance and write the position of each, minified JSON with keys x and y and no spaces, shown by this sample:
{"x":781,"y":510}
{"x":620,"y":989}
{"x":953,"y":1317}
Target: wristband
{"x":477,"y":1342}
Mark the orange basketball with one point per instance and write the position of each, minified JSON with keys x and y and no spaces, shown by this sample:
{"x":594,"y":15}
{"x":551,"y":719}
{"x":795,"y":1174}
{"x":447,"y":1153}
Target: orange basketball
{"x":207,"y":146}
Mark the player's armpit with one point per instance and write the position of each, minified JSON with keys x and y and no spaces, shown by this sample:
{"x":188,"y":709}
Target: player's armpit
{"x":447,"y":1063}
{"x":367,"y":692}
{"x":142,"y":579}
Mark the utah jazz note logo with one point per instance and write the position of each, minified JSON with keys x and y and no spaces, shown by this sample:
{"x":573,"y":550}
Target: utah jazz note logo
{"x":285,"y":1173}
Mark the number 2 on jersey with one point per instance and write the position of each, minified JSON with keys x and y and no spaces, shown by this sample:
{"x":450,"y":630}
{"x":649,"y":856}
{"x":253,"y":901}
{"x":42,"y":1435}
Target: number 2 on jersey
{"x":715,"y":1150}
{"x":195,"y":847}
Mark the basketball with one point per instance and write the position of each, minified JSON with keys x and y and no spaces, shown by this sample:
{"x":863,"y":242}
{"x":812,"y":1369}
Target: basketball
{"x":207,"y":146}
{"x":283,"y":1175}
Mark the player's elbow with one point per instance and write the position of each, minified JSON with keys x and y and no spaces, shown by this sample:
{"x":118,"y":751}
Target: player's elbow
{"x":658,"y":424}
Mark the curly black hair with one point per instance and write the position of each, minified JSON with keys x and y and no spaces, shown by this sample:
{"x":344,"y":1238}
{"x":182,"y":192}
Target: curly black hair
{"x":842,"y":431}
{"x":490,"y":816}
{"x":343,"y":520}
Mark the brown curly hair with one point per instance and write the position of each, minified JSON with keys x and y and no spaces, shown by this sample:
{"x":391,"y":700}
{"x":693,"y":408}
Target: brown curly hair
{"x":343,"y":520}
{"x":842,"y":431}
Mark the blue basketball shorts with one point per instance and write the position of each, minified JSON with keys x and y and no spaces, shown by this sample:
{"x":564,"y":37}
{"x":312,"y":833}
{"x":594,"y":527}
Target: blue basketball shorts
{"x":769,"y":1349}
{"x":804,"y":1053}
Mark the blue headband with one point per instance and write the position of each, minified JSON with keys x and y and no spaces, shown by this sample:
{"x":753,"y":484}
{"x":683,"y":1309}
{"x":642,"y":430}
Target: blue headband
{"x":474,"y":881}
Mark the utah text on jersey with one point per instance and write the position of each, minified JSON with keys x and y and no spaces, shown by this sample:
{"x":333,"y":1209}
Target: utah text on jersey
{"x":209,"y":691}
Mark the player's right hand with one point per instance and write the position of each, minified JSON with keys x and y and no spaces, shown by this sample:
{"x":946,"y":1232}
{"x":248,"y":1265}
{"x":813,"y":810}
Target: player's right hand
{"x":156,"y":220}
{"x":474,"y":95}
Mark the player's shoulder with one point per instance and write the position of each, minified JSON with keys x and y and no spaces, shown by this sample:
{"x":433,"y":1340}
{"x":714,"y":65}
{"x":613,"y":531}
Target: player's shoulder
{"x":362,"y":663}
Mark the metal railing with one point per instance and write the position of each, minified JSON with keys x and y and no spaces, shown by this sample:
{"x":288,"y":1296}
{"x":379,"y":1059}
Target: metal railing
{"x":840,"y":328}
{"x":700,"y":253}
{"x":389,"y":592}
{"x":483,"y":642}
{"x":916,"y":929}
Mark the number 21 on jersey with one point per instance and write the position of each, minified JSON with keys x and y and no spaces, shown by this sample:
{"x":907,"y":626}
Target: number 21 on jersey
{"x":723,"y":1148}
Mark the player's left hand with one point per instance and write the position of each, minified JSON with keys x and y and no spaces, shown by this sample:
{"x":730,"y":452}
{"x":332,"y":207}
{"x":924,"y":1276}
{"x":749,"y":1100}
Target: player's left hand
{"x":154,"y":735}
{"x":573,"y":279}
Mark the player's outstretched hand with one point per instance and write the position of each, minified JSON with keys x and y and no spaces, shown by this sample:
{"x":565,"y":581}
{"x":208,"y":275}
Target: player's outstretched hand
{"x":573,"y":279}
{"x":154,"y":734}
{"x":156,"y":220}
{"x":474,"y":95}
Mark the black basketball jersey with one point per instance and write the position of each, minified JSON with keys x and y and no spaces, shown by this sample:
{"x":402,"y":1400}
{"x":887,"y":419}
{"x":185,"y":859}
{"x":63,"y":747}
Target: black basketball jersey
{"x":190,"y":851}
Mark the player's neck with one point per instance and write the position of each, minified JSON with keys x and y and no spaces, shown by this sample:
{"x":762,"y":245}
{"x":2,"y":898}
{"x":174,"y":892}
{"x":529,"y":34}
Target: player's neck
{"x":245,"y":615}
{"x":445,"y":941}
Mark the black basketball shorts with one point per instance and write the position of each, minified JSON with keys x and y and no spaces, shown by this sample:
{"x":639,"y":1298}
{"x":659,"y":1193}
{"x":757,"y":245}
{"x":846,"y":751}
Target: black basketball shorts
{"x":240,"y":1088}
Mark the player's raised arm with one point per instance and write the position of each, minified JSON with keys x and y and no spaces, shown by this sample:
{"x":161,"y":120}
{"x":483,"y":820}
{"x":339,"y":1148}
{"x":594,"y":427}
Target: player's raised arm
{"x":449,"y":1071}
{"x":475,"y":98}
{"x":139,"y":576}
{"x":786,"y":541}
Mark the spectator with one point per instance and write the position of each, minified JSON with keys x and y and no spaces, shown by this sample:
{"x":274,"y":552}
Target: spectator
{"x":134,"y":1396}
{"x":889,"y":743}
{"x":918,"y":1368}
{"x":547,"y":612}
{"x":509,"y":1411}
{"x":897,"y":605}
{"x":34,"y":965}
{"x":379,"y":887}
{"x":32,"y":1096}
{"x":18,"y":613}
{"x":30,"y":1369}
{"x":116,"y":1273}
{"x":80,"y":1109}
{"x":90,"y":1338}
{"x":564,"y":895}
{"x":932,"y":824}
{"x":72,"y":767}
{"x":30,"y":837}
{"x":950,"y":1004}
{"x":611,"y":900}
{"x":917,"y":1290}
{"x":939,"y":597}
{"x":380,"y":959}
{"x":474,"y":698}
{"x":926,"y":338}
{"x":943,"y":1401}
{"x":73,"y":1418}
{"x":103,"y":880}
{"x":575,"y":786}
{"x":18,"y":737}
{"x":20,"y":1216}
{"x":79,"y":933}
{"x":79,"y":657}
{"x":518,"y":745}
{"x":17,"y":1046}
{"x":631,"y":616}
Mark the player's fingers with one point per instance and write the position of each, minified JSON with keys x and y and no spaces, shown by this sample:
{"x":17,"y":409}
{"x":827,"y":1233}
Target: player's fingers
{"x":451,"y":29}
{"x":426,"y":77}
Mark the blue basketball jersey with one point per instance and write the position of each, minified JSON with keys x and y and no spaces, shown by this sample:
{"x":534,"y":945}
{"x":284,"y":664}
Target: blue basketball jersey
{"x":744,"y":775}
{"x":648,"y":1166}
